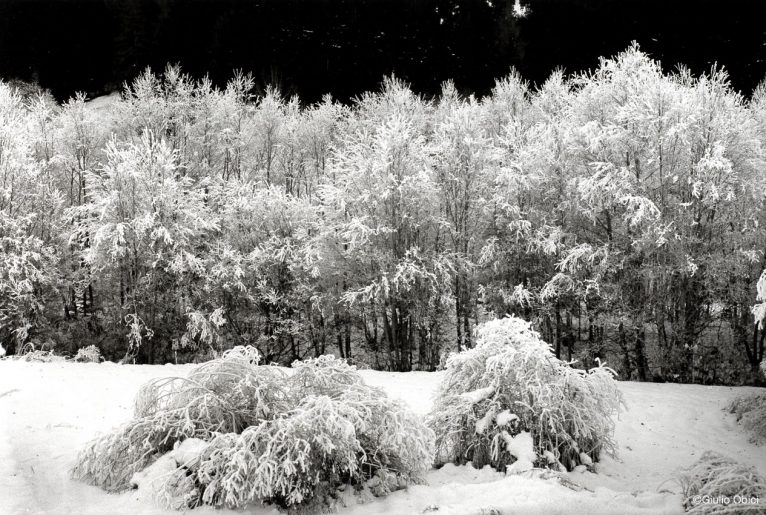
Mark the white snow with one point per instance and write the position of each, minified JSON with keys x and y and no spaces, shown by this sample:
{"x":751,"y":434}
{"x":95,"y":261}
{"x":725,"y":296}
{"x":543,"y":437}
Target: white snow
{"x":483,"y":423}
{"x":505,"y":417}
{"x":585,"y":460}
{"x":478,"y":395}
{"x":48,"y":411}
{"x":521,"y":447}
{"x":150,"y":480}
{"x":188,"y":450}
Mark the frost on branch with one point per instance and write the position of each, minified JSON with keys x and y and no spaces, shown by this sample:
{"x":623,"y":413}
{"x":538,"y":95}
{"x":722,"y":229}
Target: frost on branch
{"x":340,"y":431}
{"x":759,"y":310}
{"x":750,"y":411}
{"x":510,"y":388}
{"x":263,"y":436}
{"x":322,"y":443}
{"x":224,"y":395}
{"x":89,"y":354}
{"x":715,"y":476}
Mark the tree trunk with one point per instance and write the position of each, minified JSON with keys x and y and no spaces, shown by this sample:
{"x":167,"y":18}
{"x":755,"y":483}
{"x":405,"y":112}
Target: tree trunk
{"x":622,"y":341}
{"x":639,"y":349}
{"x":347,"y":337}
{"x":458,"y":313}
{"x":558,"y":332}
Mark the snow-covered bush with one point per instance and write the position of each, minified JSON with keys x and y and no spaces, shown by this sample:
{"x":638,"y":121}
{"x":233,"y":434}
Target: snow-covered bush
{"x":28,"y":352}
{"x":42,"y":356}
{"x":340,"y":431}
{"x":717,"y":477}
{"x":264,"y":436}
{"x":89,"y":354}
{"x":751,"y":413}
{"x":315,"y":448}
{"x":510,"y":402}
{"x":223,"y":395}
{"x":324,"y":375}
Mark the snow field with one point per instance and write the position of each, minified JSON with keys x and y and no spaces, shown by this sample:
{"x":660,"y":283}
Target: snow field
{"x":48,"y":411}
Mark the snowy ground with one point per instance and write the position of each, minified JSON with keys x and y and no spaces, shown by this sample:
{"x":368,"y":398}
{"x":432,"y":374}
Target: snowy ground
{"x":48,"y":411}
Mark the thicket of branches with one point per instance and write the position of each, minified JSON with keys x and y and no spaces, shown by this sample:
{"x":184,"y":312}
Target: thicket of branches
{"x":715,"y":476}
{"x":234,"y":433}
{"x":620,"y":211}
{"x":510,"y":386}
{"x":750,"y":411}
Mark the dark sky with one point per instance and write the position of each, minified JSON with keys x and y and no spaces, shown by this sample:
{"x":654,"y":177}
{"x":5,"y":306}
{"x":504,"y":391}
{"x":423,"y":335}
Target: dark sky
{"x":345,"y":47}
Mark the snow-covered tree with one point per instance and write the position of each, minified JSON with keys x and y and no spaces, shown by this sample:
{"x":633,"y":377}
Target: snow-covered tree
{"x":385,"y":222}
{"x":141,"y":233}
{"x":621,"y":211}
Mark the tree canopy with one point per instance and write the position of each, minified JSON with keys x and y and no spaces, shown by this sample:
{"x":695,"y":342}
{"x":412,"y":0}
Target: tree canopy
{"x":621,"y":211}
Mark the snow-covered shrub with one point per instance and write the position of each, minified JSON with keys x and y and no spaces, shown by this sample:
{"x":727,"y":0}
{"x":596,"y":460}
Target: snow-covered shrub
{"x":340,"y":431}
{"x":394,"y":440}
{"x":223,"y":395}
{"x":510,"y":393}
{"x":717,"y":477}
{"x":263,"y":436}
{"x":28,"y":352}
{"x":286,"y":458}
{"x":226,"y":394}
{"x":325,"y":375}
{"x":751,"y":413}
{"x":89,"y":354}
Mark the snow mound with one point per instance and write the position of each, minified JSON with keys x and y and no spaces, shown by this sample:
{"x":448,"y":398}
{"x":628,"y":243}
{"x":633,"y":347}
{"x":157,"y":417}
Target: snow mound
{"x":520,"y":447}
{"x":188,"y":451}
{"x":506,"y":417}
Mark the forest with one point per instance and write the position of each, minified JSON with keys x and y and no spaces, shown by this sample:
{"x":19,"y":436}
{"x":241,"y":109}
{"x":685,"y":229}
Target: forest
{"x":620,"y":210}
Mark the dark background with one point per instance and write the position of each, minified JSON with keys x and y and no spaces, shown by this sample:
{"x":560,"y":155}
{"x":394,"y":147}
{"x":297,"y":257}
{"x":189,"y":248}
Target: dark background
{"x":345,"y":47}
